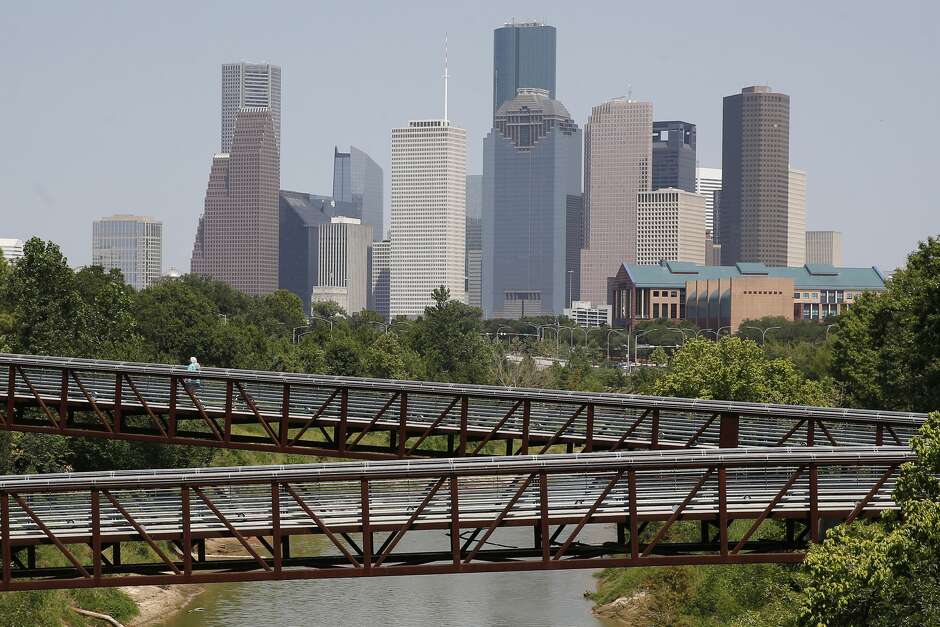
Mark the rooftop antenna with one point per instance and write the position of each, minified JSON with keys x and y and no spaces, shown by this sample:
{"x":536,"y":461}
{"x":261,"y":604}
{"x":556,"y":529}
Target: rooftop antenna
{"x":446,"y":76}
{"x":629,"y":93}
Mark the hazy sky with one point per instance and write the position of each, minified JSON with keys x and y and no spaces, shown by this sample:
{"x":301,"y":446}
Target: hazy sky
{"x":113,"y":107}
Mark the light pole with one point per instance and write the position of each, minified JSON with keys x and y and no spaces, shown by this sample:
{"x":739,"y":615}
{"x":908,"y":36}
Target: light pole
{"x":381,"y":324}
{"x":294,"y":332}
{"x":763,"y":332}
{"x":327,"y":320}
{"x":718,"y":333}
{"x":829,"y":326}
{"x":636,"y":345}
{"x":608,"y":342}
{"x":499,"y":328}
{"x":708,"y":331}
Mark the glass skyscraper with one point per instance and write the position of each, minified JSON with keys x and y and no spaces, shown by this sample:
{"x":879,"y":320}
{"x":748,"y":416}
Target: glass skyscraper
{"x":673,"y":156}
{"x":523,"y":56}
{"x":531,"y":171}
{"x":131,"y":244}
{"x":357,"y":179}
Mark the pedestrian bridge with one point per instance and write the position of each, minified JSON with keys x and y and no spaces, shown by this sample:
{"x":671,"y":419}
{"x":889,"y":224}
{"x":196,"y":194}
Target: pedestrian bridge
{"x":598,"y":480}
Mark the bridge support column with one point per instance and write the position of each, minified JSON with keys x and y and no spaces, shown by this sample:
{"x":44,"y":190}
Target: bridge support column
{"x":728,"y":431}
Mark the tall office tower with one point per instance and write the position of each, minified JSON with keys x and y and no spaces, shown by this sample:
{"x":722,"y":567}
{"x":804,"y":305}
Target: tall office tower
{"x":796,"y":218}
{"x":523,"y":56}
{"x":250,"y":86}
{"x":237,"y":238}
{"x":707,"y":182}
{"x":755,"y":156}
{"x":342,"y":263}
{"x":357,"y":179}
{"x":429,"y":215}
{"x":673,"y":156}
{"x":474,"y":265}
{"x":712,"y":250}
{"x":380,"y":257}
{"x":617,"y":156}
{"x":12,"y":249}
{"x":574,"y":241}
{"x":131,"y":244}
{"x":531,"y":164}
{"x":670,"y":225}
{"x":824,"y":247}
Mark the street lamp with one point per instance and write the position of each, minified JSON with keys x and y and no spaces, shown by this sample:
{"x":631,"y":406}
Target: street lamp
{"x":636,"y":345}
{"x":498,"y":330}
{"x":829,"y":326}
{"x":763,"y":332}
{"x":608,"y":342}
{"x":381,"y":324}
{"x":719,"y":331}
{"x":708,"y":331}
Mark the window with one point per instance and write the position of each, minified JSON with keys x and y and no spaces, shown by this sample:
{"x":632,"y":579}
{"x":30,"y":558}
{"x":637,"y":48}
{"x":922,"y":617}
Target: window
{"x":655,"y":310}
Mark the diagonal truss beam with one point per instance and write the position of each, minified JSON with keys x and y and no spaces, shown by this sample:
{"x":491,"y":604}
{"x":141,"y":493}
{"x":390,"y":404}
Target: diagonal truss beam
{"x":401,"y":531}
{"x":91,"y":401}
{"x":498,"y":426}
{"x":633,"y":427}
{"x":376,"y":418}
{"x":432,"y":426}
{"x":143,"y":403}
{"x":231,"y":528}
{"x":38,"y":397}
{"x":48,"y":532}
{"x":499,"y":519}
{"x":314,"y":418}
{"x":322,"y":525}
{"x":768,"y":510}
{"x":250,"y":402}
{"x":677,"y":513}
{"x":871,"y":494}
{"x":584,"y":520}
{"x":141,"y":531}
{"x":563,"y":428}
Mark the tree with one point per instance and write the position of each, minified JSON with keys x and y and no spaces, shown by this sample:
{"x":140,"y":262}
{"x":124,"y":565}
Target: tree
{"x":277,"y":314}
{"x":737,"y":370}
{"x":886,"y":351}
{"x":385,"y":358}
{"x":178,"y":321}
{"x":659,"y":356}
{"x":342,"y":358}
{"x":48,"y":313}
{"x":884,"y":573}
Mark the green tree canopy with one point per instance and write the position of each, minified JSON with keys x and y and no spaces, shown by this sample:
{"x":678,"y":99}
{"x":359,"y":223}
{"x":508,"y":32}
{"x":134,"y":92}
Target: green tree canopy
{"x":737,"y":370}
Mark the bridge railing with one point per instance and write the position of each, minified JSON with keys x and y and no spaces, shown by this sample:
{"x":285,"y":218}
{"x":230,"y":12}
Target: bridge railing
{"x":473,"y":515}
{"x":374,"y":418}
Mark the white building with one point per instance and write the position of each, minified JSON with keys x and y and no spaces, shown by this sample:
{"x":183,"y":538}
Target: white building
{"x":246,"y":85}
{"x":708,"y":181}
{"x":585,"y":314}
{"x":343,"y":260}
{"x":796,"y":219}
{"x":670,"y":226}
{"x":380,"y":257}
{"x":132,"y":244}
{"x":824,"y":247}
{"x":428,"y":214}
{"x":12,"y":249}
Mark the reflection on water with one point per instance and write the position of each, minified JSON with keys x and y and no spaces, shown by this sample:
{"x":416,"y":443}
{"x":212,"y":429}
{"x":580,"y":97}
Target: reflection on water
{"x":510,"y":599}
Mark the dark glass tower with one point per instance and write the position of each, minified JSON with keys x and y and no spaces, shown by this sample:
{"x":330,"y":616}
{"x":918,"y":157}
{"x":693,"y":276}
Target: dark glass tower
{"x":523,"y":56}
{"x":357,"y":179}
{"x":752,"y":221}
{"x":674,"y":155}
{"x":531,"y":193}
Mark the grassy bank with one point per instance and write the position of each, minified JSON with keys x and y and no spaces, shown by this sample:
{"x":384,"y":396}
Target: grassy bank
{"x":51,"y":607}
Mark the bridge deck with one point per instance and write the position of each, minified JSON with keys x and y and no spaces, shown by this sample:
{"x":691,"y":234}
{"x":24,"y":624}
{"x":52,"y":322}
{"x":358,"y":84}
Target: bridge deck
{"x":362,"y":510}
{"x":373,"y":418}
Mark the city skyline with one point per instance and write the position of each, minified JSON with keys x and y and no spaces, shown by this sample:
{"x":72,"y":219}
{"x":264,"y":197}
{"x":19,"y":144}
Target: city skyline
{"x":177,"y":149}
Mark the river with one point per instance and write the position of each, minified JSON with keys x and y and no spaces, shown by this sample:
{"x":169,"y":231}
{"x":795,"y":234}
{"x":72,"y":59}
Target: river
{"x":498,"y":599}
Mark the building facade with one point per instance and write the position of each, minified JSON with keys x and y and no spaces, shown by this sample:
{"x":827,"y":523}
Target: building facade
{"x":673,"y":156}
{"x":474,"y":264}
{"x":237,"y":238}
{"x":670,"y":224}
{"x":796,"y":218}
{"x":523,"y":56}
{"x":531,"y":165}
{"x":707,"y":182}
{"x":250,"y":86}
{"x":617,"y":155}
{"x":380,"y":259}
{"x":584,"y":314}
{"x":755,"y":156}
{"x":429,"y":218}
{"x":131,"y":244}
{"x":12,"y":249}
{"x":712,"y":250}
{"x":818,"y":291}
{"x":358,"y":180}
{"x":824,"y":247}
{"x":342,"y":260}
{"x":574,"y":242}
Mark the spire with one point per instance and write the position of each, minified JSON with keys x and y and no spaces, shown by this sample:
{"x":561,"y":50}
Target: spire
{"x":446,"y":76}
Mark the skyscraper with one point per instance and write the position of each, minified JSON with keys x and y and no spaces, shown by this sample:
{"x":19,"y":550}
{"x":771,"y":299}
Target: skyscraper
{"x":824,"y":247}
{"x":796,"y":218}
{"x":342,"y":260}
{"x":379,"y":271}
{"x":523,"y":56}
{"x":673,"y":155}
{"x":755,"y":156}
{"x":670,"y":226}
{"x":707,"y":182}
{"x":429,"y":188}
{"x":237,"y":238}
{"x":617,"y":157}
{"x":474,"y":240}
{"x":531,"y":165}
{"x":131,"y":244}
{"x":250,"y":85}
{"x":12,"y":249}
{"x":357,"y":179}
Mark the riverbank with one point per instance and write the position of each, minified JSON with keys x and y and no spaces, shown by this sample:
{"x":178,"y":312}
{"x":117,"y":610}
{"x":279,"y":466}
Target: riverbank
{"x":157,"y":603}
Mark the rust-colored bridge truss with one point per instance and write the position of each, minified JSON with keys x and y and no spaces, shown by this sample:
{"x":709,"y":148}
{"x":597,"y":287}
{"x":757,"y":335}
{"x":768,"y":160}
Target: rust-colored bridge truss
{"x":380,"y":419}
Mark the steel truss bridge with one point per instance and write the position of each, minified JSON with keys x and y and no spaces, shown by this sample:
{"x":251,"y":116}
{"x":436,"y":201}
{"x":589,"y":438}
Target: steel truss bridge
{"x":759,"y":481}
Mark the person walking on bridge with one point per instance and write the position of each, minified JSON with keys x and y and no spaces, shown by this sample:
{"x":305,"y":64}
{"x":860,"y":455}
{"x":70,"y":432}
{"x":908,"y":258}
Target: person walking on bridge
{"x":194,"y":385}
